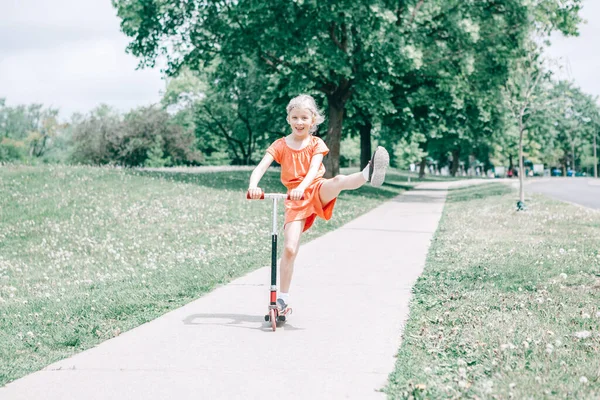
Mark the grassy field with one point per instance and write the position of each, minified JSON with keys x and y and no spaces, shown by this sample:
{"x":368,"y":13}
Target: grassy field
{"x":88,"y":253}
{"x":508,"y":305}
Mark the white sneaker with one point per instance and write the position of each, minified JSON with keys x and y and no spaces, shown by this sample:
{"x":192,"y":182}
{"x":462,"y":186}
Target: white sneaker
{"x":378,"y":165}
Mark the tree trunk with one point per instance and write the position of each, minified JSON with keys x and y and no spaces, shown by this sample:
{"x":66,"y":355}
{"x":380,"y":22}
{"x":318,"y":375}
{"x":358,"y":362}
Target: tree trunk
{"x":365,"y":142}
{"x":573,"y":155}
{"x":334,"y":133}
{"x":455,"y":159}
{"x":422,"y":166}
{"x":521,"y":169}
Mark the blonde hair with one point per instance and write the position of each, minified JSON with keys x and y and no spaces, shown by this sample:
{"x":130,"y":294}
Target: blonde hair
{"x":307,"y":102}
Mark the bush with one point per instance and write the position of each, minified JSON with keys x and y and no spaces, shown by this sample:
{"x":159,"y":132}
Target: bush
{"x":12,"y":150}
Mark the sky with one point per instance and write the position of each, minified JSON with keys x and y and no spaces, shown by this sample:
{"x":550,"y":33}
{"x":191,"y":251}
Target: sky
{"x":579,"y":57}
{"x":70,"y":55}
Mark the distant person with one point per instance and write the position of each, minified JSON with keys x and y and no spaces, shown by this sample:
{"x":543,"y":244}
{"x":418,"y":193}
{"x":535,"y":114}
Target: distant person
{"x":301,"y":157}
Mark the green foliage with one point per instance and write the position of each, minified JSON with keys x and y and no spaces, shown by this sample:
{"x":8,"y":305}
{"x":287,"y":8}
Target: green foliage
{"x":350,"y":152}
{"x":156,"y":155}
{"x":12,"y":150}
{"x":409,"y":151}
{"x":32,"y":125}
{"x":145,"y":136}
{"x":230,"y":110}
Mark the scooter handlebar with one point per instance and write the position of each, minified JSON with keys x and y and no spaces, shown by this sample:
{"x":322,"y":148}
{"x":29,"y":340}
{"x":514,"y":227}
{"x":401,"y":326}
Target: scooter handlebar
{"x":264,"y":195}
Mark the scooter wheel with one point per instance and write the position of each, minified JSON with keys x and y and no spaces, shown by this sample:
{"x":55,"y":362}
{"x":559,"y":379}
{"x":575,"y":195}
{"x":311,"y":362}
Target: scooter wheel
{"x":281,"y":318}
{"x":266,"y":318}
{"x":273,"y":319}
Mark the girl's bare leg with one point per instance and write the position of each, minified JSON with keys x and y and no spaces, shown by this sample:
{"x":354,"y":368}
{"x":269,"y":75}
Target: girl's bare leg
{"x":331,"y":188}
{"x":291,"y":243}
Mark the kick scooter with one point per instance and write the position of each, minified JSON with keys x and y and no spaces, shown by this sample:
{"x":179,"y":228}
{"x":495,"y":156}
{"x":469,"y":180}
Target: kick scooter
{"x":274,"y":316}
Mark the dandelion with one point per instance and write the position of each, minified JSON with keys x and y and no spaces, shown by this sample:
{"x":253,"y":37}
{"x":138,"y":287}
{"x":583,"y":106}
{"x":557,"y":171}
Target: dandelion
{"x":561,"y":251}
{"x":549,"y":348}
{"x":582,"y":334}
{"x":583,"y":380}
{"x":563,"y":276}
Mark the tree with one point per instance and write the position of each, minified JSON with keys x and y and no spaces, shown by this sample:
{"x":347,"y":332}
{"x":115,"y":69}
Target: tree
{"x":326,"y":48}
{"x":30,"y":127}
{"x":521,"y":101}
{"x":146,"y":135}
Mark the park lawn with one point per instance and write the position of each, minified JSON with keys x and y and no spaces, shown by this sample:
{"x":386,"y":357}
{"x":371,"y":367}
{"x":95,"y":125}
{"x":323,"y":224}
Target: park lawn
{"x":508,"y":305}
{"x":88,"y":253}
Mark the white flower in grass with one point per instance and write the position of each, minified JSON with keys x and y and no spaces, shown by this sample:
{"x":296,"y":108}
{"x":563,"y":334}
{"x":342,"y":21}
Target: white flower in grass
{"x":582,"y":334}
{"x":585,"y":315}
{"x":549,"y":348}
{"x":563,"y":276}
{"x":583,"y":380}
{"x":561,"y":251}
{"x":598,"y":314}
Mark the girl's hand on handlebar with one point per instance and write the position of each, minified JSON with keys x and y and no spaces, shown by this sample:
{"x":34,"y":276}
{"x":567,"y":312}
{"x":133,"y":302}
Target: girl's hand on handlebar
{"x":296,"y":194}
{"x":255,"y":193}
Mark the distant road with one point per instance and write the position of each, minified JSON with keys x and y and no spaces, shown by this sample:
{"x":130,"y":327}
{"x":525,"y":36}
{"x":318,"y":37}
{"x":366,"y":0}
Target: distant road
{"x":582,"y":191}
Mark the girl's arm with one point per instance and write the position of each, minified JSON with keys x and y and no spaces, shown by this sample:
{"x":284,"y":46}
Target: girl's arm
{"x":315,"y":164}
{"x":257,"y":174}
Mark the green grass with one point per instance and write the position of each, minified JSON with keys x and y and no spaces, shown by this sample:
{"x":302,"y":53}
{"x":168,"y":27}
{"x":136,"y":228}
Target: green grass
{"x":508,"y":305}
{"x":88,"y":253}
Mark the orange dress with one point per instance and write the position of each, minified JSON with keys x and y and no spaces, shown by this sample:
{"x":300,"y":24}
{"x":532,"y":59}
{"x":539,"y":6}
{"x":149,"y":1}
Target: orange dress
{"x":294,"y":167}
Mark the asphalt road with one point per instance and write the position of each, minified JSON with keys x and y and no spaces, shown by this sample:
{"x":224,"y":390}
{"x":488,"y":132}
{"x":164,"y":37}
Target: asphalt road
{"x":582,"y":191}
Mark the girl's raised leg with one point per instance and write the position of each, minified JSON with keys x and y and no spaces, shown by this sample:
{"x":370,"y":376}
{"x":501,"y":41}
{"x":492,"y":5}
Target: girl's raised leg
{"x":331,"y":188}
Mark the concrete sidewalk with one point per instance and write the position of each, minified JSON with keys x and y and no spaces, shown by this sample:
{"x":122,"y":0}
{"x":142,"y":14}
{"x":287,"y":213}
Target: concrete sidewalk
{"x":350,"y":296}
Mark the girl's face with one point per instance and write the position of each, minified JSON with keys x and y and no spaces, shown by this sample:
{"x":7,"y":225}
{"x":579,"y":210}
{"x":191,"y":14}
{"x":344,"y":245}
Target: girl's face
{"x":301,"y":120}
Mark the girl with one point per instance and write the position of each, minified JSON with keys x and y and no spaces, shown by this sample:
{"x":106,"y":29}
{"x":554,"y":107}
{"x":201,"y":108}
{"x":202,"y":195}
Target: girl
{"x":301,"y":157}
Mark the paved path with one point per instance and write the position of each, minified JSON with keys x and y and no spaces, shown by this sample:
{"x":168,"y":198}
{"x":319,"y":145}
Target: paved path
{"x":350,"y":292}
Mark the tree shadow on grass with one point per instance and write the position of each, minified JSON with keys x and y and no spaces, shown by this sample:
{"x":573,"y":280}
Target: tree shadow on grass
{"x":226,"y":180}
{"x":254,"y":322}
